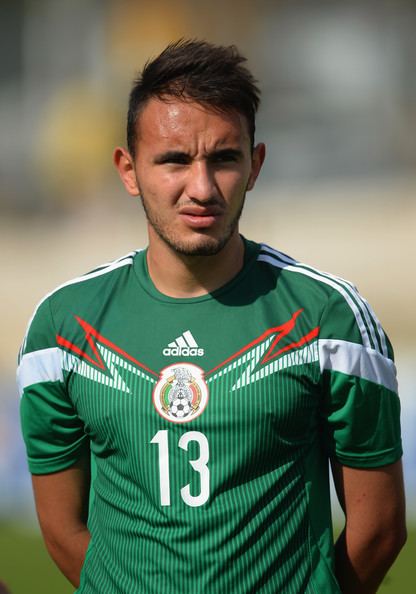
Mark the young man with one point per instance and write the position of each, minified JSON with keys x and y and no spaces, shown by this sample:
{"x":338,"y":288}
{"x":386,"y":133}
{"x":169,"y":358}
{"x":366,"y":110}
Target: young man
{"x":209,"y":379}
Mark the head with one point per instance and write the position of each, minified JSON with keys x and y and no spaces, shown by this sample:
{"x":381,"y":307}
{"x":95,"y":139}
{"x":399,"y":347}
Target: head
{"x":191,"y":154}
{"x":200,"y":72}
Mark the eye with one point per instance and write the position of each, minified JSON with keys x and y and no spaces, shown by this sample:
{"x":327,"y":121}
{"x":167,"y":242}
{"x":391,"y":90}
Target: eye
{"x":173,"y":158}
{"x":225,"y":157}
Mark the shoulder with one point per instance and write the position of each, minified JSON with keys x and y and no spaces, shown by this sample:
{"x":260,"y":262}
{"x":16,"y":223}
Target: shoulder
{"x":317,"y":287}
{"x":98,"y":277}
{"x":343,"y":311}
{"x":305,"y":274}
{"x":89,"y":287}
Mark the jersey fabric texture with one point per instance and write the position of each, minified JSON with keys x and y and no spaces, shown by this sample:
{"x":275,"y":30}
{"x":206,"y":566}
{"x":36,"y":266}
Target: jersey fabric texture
{"x":210,"y":421}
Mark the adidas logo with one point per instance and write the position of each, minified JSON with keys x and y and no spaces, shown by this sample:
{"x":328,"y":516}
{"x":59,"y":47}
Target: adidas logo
{"x":183,"y":346}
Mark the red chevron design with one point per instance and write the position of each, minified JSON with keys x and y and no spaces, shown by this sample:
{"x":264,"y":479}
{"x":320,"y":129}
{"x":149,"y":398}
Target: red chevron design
{"x":280,"y":331}
{"x":93,"y":336}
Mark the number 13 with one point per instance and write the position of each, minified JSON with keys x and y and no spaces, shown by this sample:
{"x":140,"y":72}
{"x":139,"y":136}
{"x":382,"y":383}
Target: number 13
{"x":199,"y":465}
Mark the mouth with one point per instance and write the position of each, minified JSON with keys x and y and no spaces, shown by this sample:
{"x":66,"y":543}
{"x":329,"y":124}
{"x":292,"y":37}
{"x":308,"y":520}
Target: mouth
{"x":200,"y":218}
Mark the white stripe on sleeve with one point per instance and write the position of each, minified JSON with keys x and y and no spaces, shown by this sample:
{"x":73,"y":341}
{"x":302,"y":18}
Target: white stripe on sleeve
{"x":360,"y":306}
{"x":355,"y":359}
{"x":44,"y":365}
{"x":335,"y":285}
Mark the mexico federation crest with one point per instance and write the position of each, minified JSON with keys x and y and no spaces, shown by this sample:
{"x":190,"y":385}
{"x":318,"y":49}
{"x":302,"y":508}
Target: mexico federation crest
{"x":181,"y":393}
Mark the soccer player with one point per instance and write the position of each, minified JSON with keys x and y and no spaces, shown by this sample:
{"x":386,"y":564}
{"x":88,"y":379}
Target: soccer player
{"x":181,"y":405}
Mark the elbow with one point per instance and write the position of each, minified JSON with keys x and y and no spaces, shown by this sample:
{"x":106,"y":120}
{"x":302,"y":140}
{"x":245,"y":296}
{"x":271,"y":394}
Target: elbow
{"x":391,"y":541}
{"x":400,"y":539}
{"x":53,"y":544}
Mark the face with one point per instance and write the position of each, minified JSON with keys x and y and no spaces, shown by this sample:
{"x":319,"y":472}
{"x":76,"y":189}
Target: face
{"x":192,"y":169}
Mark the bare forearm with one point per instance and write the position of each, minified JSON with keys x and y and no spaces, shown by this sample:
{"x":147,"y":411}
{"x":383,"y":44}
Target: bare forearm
{"x":68,"y":551}
{"x":62,"y":505}
{"x":374,"y":505}
{"x":362,"y":562}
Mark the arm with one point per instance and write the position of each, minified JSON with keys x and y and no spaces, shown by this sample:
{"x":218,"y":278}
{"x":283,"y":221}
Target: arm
{"x":375,"y":531}
{"x":61,"y":502}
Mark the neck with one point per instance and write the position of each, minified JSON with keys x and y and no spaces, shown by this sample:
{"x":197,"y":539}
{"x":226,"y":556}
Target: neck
{"x":177,"y":275}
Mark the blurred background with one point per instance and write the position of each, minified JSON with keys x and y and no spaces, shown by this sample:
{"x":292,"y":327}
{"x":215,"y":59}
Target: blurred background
{"x":338,"y":188}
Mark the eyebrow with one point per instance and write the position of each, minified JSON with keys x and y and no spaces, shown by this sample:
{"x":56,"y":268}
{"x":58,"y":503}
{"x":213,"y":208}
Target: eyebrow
{"x":180,"y":155}
{"x":170,"y":156}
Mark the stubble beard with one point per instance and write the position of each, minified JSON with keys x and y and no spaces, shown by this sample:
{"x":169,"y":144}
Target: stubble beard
{"x":206,"y":244}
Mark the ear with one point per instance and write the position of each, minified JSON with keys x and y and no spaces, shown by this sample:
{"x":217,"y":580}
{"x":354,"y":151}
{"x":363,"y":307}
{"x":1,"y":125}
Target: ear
{"x":125,"y":167}
{"x":257,"y":160}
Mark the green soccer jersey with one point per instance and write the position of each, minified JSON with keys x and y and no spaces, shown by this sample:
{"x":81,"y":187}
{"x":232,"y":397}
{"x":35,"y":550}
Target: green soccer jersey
{"x":210,"y":421}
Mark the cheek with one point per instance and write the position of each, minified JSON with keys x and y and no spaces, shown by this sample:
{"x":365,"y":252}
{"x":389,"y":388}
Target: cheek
{"x":158,"y":187}
{"x":233,"y":185}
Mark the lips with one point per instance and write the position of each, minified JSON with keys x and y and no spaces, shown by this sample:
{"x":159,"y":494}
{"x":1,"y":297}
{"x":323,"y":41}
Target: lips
{"x":198,"y":217}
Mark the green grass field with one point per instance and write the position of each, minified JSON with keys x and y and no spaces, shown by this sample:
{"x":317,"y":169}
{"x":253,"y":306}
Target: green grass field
{"x":26,"y":568}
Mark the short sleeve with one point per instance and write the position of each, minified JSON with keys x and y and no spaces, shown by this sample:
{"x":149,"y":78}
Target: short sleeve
{"x":361,"y":407}
{"x":53,"y":433}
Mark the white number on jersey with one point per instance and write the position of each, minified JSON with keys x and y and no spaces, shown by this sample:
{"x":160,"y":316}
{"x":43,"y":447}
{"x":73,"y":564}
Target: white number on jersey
{"x":199,"y":465}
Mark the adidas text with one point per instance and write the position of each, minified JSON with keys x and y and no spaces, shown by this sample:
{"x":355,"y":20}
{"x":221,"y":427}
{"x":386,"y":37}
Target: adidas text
{"x":178,"y":351}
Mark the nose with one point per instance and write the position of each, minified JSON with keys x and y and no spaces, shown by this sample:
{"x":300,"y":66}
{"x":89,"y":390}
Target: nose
{"x":200,"y":185}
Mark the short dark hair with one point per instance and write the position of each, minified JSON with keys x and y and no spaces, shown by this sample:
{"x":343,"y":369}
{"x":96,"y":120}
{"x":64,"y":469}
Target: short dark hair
{"x":193,"y":70}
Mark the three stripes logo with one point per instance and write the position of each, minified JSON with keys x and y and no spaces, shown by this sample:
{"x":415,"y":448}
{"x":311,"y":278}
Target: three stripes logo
{"x":184,"y":345}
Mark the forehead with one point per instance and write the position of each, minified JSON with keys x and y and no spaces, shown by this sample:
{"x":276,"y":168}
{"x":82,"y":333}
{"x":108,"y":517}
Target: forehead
{"x":175,"y":121}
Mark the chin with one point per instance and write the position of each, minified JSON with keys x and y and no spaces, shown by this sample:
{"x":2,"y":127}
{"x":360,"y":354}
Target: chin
{"x":205,"y":248}
{"x":201,"y":246}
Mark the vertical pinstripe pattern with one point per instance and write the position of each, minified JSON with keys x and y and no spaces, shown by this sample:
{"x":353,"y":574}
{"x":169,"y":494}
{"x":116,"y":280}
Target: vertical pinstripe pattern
{"x":257,"y":531}
{"x":257,"y":506}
